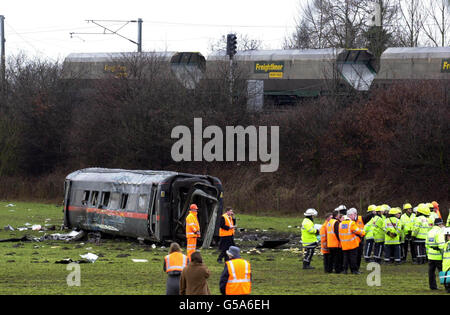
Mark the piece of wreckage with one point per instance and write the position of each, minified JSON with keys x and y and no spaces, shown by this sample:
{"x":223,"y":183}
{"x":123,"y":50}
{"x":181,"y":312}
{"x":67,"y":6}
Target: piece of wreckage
{"x":142,"y":204}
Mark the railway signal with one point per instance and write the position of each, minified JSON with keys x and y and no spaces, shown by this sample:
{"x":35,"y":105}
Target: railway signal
{"x":231,"y":45}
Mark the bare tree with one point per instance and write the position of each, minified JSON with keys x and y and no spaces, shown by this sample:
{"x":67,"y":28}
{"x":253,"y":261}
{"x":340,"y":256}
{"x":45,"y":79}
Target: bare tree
{"x":413,"y":16}
{"x":437,"y":26}
{"x":330,"y":23}
{"x":312,"y":24}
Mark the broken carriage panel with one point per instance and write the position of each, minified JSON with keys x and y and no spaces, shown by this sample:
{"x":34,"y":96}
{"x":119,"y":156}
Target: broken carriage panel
{"x":147,"y":204}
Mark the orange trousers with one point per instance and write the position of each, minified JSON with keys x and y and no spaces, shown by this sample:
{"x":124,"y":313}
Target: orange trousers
{"x":191,"y":245}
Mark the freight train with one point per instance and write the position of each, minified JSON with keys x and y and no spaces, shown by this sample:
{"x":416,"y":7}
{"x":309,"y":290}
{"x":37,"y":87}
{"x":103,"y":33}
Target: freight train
{"x":281,"y":76}
{"x":146,"y":204}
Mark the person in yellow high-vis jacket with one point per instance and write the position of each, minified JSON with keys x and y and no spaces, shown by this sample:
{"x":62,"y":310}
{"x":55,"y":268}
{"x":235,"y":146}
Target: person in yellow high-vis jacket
{"x":192,"y":230}
{"x":419,"y":232}
{"x":446,"y":259}
{"x":435,"y":243}
{"x":309,"y":237}
{"x":407,"y":219}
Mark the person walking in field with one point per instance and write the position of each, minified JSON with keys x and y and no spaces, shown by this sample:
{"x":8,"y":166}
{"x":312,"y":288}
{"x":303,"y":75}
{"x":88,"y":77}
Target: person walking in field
{"x":309,"y":237}
{"x":192,"y":229}
{"x":174,"y":264}
{"x":226,"y":233}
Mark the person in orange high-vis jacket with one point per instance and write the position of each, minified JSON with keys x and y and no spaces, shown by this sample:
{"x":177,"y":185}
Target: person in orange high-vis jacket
{"x":174,"y":264}
{"x":236,"y":278}
{"x":192,"y":230}
{"x":226,"y":233}
{"x":327,"y":266}
{"x":333,"y":243}
{"x":349,"y":235}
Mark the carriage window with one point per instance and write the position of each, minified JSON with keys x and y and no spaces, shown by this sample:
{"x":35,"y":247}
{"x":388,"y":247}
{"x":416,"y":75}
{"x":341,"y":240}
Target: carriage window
{"x":94,"y":198}
{"x":114,"y":201}
{"x":85,"y":199}
{"x":123,"y":201}
{"x":105,"y":198}
{"x":142,"y":202}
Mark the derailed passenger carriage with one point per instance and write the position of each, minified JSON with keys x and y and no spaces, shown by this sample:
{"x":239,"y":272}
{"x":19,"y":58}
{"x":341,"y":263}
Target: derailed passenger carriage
{"x":145,"y":204}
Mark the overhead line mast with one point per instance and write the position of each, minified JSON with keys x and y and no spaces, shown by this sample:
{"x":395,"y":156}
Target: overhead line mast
{"x":108,"y":31}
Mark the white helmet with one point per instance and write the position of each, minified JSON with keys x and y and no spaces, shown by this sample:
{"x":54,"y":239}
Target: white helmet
{"x":352,"y":211}
{"x":340,"y":208}
{"x":310,"y":212}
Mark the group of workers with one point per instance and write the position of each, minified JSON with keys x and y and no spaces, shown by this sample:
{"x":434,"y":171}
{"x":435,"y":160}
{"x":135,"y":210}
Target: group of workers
{"x":187,"y":275}
{"x":346,"y":237}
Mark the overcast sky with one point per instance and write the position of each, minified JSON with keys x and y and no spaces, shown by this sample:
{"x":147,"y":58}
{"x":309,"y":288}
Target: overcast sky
{"x":42,"y":27}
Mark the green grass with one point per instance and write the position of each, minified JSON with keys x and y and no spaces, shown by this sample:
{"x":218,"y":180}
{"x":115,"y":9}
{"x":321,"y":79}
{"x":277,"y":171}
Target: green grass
{"x":29,"y":267}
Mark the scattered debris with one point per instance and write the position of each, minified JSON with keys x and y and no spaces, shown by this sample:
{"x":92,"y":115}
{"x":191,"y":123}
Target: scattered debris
{"x":36,"y":227}
{"x":254,"y":251}
{"x":139,"y":260}
{"x":94,"y":237}
{"x":64,"y":261}
{"x":24,"y":238}
{"x":67,"y":261}
{"x":293,"y":250}
{"x":90,"y":257}
{"x":8,"y":228}
{"x":273,"y":243}
{"x":72,"y":236}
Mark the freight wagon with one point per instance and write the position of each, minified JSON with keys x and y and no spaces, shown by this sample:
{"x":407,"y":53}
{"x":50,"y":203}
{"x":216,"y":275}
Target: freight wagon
{"x":186,"y":67}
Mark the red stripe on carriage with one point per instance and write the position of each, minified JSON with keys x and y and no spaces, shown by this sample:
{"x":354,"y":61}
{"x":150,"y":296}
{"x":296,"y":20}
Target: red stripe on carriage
{"x":126,"y":214}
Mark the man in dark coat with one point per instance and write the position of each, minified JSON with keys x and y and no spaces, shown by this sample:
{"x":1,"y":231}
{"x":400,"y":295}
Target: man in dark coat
{"x":226,"y":233}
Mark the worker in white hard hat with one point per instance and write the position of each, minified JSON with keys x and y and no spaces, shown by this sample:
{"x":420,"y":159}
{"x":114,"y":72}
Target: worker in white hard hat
{"x":309,"y":237}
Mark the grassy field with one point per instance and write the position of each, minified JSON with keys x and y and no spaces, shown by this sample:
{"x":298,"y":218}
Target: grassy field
{"x":29,"y":267}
